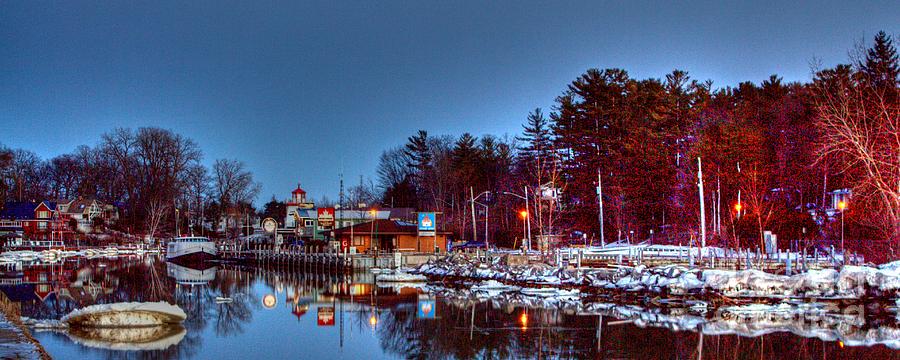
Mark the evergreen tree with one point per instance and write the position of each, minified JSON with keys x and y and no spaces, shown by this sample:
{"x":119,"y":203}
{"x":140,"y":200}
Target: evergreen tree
{"x":880,"y":66}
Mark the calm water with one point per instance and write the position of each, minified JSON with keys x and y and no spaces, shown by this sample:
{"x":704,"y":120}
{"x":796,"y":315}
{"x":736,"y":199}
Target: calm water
{"x":275,"y":314}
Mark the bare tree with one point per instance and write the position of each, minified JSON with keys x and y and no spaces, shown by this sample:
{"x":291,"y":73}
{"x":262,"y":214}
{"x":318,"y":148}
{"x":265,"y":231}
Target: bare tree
{"x":860,"y":130}
{"x":157,"y":210}
{"x":393,"y":168}
{"x":233,"y":185}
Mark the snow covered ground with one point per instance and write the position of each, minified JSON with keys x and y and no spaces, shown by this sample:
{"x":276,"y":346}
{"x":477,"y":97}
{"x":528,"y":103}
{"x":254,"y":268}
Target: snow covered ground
{"x":851,"y":282}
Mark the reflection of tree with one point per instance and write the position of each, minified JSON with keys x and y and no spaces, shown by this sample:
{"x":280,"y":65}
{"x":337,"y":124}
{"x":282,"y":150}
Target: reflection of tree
{"x":231,"y":316}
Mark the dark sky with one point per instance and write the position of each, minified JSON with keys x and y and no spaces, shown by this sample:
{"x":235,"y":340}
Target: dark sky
{"x":298,"y":90}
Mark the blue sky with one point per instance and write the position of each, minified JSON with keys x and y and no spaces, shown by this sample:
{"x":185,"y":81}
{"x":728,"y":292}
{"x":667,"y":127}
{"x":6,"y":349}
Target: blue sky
{"x":300,"y":90}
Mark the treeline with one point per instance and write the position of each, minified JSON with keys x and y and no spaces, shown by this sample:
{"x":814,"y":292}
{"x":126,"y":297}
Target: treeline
{"x":147,"y":173}
{"x":775,"y":148}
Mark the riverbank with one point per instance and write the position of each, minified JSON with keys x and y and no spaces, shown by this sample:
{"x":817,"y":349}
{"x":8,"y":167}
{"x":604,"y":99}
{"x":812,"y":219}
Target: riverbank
{"x":850,"y":283}
{"x":15,"y":338}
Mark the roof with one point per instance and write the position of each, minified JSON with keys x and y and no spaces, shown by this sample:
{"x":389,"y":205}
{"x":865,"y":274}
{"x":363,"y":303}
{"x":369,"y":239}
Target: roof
{"x":80,"y":205}
{"x":405,"y":213}
{"x":18,"y":210}
{"x":381,"y":226}
{"x":51,"y":205}
{"x":298,"y":190}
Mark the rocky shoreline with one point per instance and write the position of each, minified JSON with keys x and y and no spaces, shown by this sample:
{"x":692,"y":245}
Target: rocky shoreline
{"x":17,"y":339}
{"x":850,"y":284}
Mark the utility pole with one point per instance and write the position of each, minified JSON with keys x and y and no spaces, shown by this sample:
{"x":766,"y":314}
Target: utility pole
{"x":718,"y":204}
{"x":528,"y":221}
{"x":340,"y":218}
{"x":600,"y":206}
{"x":702,"y":206}
{"x":472,"y":207}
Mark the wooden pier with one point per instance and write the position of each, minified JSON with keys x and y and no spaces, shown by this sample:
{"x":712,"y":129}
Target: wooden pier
{"x":312,"y":257}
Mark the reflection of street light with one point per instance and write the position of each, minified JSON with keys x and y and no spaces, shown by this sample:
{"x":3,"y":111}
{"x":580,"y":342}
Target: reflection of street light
{"x":523,"y":319}
{"x":373,"y":320}
{"x":841,"y":206}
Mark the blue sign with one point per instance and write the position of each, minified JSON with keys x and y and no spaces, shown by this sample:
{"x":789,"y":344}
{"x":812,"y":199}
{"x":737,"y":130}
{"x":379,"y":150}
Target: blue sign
{"x":427,"y":309}
{"x":427,"y":224}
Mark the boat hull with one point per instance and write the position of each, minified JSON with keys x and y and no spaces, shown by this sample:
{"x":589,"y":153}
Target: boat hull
{"x":191,"y":252}
{"x":195,"y":258}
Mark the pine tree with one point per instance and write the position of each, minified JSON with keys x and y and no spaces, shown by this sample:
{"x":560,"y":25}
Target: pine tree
{"x":881,"y":67}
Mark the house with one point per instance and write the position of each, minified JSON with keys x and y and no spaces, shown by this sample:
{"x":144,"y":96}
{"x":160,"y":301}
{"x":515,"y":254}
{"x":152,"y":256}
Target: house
{"x":86,"y":212}
{"x":47,"y":224}
{"x":388,"y":235}
{"x":295,"y":206}
{"x":306,"y":223}
{"x":13,"y":221}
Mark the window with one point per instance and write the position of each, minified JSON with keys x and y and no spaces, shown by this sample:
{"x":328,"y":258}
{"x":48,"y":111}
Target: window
{"x":358,"y":241}
{"x":308,"y":223}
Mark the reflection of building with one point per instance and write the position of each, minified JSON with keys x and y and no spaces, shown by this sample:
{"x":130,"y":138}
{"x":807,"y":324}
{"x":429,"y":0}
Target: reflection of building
{"x":390,"y":235}
{"x":185,"y":275}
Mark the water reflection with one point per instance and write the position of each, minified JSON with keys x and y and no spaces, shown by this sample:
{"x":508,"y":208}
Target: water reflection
{"x":238,"y":312}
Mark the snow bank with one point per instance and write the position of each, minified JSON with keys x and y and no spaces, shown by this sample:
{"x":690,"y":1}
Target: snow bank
{"x":851,"y":282}
{"x":126,"y":314}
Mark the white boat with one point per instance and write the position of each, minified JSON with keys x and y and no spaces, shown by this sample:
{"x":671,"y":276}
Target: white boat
{"x":191,"y":249}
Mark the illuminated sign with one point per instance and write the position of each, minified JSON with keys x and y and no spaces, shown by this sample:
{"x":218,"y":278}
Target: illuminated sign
{"x":325,"y":316}
{"x":269,"y":225}
{"x":427,"y":224}
{"x":426,"y":309}
{"x":325,"y":217}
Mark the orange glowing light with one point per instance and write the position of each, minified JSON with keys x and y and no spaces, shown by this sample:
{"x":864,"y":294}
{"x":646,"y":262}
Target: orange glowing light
{"x":842,"y":205}
{"x":373,"y":212}
{"x":524,"y":320}
{"x":841,"y":344}
{"x":523,"y":214}
{"x":738,"y":207}
{"x":373,"y":320}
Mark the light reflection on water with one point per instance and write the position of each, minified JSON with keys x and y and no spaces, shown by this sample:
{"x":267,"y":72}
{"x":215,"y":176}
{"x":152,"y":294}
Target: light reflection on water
{"x":238,"y":312}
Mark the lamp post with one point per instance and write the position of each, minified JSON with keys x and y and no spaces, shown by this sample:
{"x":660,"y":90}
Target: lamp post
{"x":374,"y":230}
{"x":842,"y":205}
{"x":525,"y":216}
{"x":486,"y":218}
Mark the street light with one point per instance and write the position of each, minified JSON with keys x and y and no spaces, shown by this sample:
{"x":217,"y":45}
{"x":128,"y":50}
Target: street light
{"x":524,"y":215}
{"x":528,"y":237}
{"x":374,"y":234}
{"x":487,"y":246}
{"x":842,"y":205}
